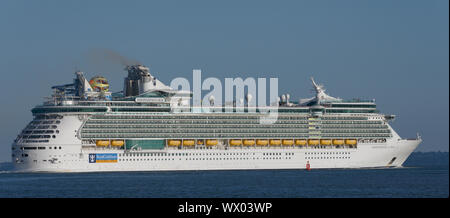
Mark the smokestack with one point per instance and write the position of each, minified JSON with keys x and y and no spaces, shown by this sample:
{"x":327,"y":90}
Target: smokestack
{"x":138,"y":81}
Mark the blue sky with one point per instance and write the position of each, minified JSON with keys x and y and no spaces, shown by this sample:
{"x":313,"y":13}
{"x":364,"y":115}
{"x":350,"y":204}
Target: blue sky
{"x":393,"y":51}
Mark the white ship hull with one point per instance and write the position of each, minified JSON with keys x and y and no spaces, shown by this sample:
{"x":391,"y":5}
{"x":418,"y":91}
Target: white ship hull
{"x":148,"y":134}
{"x":365,"y":156}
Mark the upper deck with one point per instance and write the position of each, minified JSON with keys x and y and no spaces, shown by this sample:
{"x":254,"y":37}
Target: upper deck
{"x":144,"y":93}
{"x":103,"y":107}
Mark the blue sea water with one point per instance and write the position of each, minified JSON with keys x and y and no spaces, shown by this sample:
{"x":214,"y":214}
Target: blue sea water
{"x":424,"y":175}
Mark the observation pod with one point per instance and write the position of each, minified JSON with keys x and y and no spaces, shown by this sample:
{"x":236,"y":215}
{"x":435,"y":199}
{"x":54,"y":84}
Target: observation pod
{"x":325,"y":141}
{"x":99,"y":84}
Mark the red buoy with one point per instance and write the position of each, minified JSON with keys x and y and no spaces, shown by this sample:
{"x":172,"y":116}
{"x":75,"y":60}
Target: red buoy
{"x":308,"y":166}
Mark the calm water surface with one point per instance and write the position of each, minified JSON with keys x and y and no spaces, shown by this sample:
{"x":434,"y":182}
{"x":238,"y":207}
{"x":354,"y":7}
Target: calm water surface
{"x":424,"y":175}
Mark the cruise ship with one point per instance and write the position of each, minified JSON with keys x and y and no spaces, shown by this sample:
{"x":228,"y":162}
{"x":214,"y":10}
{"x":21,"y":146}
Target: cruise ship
{"x":148,"y":126}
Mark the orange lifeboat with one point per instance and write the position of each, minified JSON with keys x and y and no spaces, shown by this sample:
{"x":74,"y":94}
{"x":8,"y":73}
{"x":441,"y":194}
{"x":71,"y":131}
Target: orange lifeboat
{"x":249,"y":142}
{"x":313,"y":142}
{"x":288,"y":142}
{"x":338,"y":141}
{"x":235,"y":142}
{"x":300,"y":141}
{"x":275,"y":142}
{"x":117,"y":143}
{"x":102,"y":143}
{"x":174,"y":142}
{"x":211,"y":142}
{"x":188,"y":142}
{"x":350,"y":141}
{"x":325,"y":141}
{"x":262,"y":142}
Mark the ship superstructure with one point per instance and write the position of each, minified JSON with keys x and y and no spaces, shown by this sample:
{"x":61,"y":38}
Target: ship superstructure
{"x":149,"y":126}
